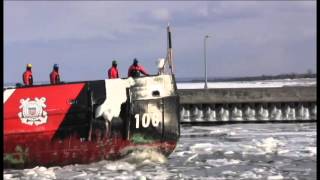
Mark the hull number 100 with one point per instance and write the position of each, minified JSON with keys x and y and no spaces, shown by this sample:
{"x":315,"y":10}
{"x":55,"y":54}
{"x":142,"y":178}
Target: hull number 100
{"x":147,"y":119}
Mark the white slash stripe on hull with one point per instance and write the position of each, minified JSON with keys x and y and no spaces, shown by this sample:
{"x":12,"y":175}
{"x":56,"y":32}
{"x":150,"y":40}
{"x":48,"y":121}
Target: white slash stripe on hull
{"x":6,"y":94}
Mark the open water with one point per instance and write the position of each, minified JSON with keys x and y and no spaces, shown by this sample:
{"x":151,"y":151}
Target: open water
{"x":234,"y":151}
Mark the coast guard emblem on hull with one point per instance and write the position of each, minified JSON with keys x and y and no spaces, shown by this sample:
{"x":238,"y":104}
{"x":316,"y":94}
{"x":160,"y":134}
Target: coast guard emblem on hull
{"x":32,"y":111}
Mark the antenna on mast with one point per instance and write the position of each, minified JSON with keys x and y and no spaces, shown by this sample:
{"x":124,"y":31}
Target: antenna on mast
{"x":169,"y":50}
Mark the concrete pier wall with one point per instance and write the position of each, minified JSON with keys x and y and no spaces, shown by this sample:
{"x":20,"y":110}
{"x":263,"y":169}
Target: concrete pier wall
{"x":248,"y":95}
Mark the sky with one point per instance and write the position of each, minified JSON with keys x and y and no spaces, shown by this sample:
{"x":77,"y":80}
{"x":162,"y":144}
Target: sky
{"x":247,"y":38}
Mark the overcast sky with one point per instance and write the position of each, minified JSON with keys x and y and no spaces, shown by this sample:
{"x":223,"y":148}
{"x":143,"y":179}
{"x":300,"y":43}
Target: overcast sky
{"x":247,"y":37}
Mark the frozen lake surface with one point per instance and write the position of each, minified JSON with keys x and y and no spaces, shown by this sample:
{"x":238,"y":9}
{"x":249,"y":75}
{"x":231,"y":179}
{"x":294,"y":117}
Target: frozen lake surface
{"x":237,"y":151}
{"x":251,"y":84}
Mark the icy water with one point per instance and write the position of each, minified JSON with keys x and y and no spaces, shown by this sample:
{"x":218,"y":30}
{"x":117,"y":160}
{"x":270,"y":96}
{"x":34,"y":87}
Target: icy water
{"x":236,"y":151}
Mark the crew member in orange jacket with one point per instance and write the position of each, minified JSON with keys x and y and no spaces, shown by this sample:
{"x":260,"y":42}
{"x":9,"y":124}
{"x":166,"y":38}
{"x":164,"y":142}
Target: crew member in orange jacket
{"x":113,"y":72}
{"x":54,"y":75}
{"x":135,"y":69}
{"x":27,"y":76}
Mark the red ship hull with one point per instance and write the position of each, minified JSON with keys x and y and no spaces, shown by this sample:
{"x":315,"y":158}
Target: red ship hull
{"x":36,"y":152}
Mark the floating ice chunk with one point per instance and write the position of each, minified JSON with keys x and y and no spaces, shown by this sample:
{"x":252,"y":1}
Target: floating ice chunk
{"x":192,"y":157}
{"x":142,"y":178}
{"x":219,"y":131}
{"x":250,"y":175}
{"x":247,"y":147}
{"x":228,"y":153}
{"x":40,"y":172}
{"x":222,"y":162}
{"x":138,"y":173}
{"x":284,"y":151}
{"x":82,"y":174}
{"x":7,"y":176}
{"x":258,"y":170}
{"x":101,"y":177}
{"x":30,"y":172}
{"x":229,"y":173}
{"x":70,"y":173}
{"x":144,"y":155}
{"x":277,"y":177}
{"x":269,"y":145}
{"x":183,"y":153}
{"x":202,"y":148}
{"x":115,"y":166}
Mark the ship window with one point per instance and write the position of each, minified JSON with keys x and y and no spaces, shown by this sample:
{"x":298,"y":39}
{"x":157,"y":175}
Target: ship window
{"x":155,"y":93}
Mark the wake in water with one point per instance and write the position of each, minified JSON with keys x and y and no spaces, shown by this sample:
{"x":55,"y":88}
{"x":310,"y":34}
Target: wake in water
{"x":128,"y":167}
{"x":144,"y":156}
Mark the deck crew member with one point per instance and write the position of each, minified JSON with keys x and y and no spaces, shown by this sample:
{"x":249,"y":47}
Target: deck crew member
{"x":113,"y":72}
{"x":54,"y":75}
{"x":135,"y":69}
{"x":27,"y":76}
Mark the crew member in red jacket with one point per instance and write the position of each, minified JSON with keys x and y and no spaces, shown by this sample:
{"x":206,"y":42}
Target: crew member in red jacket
{"x":54,"y":75}
{"x":135,"y":69}
{"x":113,"y":72}
{"x":27,"y":76}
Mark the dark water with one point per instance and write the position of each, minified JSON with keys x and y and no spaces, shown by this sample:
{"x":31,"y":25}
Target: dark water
{"x":238,"y":151}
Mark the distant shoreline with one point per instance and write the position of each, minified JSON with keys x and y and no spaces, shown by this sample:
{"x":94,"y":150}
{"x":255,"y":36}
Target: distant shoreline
{"x":249,"y":78}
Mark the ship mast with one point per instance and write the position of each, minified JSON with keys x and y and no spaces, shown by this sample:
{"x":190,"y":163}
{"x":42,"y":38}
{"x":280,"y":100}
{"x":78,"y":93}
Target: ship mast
{"x":169,"y":58}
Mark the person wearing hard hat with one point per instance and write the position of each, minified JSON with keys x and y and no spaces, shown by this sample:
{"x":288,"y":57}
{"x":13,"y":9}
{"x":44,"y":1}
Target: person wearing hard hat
{"x":113,"y":72}
{"x":27,"y":76}
{"x":54,"y":75}
{"x":135,"y":69}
